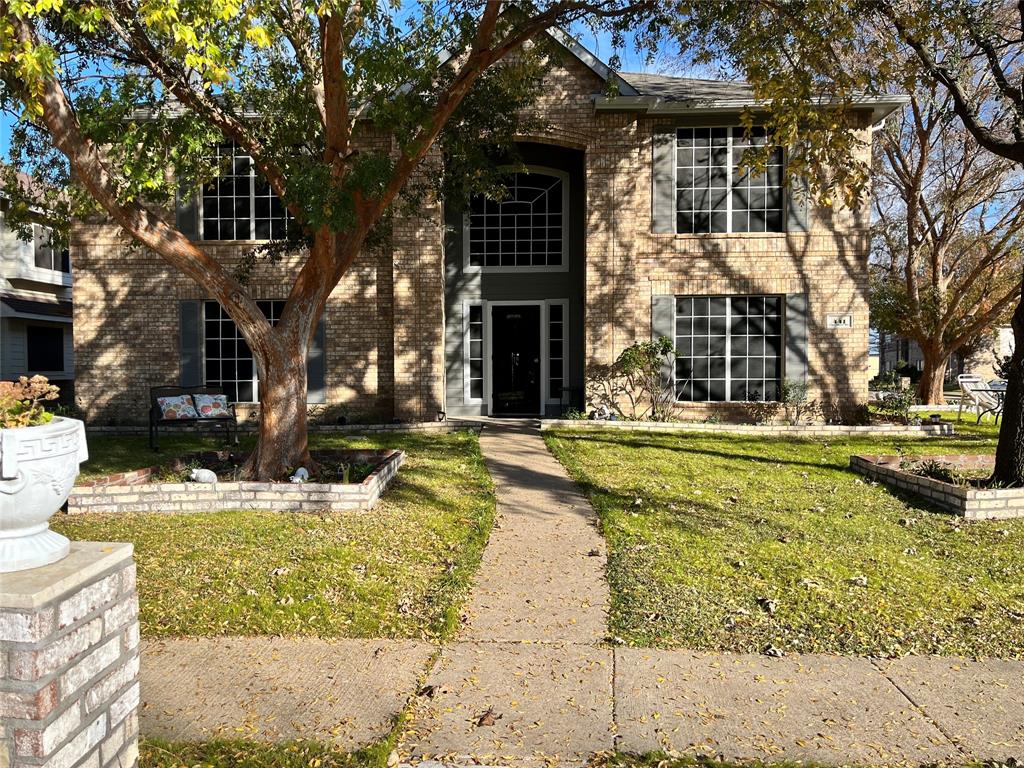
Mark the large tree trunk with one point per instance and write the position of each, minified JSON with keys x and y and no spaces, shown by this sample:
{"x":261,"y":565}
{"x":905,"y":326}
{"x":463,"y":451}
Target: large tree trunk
{"x":933,"y":377}
{"x":282,"y":444}
{"x":1009,"y":469}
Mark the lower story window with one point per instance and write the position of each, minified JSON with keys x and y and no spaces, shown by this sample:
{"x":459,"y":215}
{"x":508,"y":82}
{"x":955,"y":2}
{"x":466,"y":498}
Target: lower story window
{"x":475,"y":352}
{"x":229,"y":361}
{"x":45,"y":347}
{"x":728,"y":348}
{"x":556,"y":350}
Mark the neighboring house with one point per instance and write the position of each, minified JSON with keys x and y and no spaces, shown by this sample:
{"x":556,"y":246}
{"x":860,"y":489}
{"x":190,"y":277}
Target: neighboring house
{"x":35,"y":305}
{"x":894,"y":350}
{"x":634,"y":221}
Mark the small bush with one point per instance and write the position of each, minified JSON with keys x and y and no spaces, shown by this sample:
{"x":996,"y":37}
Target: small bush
{"x":796,"y":401}
{"x":22,"y":402}
{"x":633,"y":386}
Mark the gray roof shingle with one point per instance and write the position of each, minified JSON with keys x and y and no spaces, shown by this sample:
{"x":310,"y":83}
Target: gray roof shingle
{"x":689,"y":89}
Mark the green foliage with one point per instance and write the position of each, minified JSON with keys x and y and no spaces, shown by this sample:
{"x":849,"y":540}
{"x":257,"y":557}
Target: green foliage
{"x":896,"y":399}
{"x":634,"y":386}
{"x":261,"y":67}
{"x":401,"y":572}
{"x":724,"y":520}
{"x":22,"y":402}
{"x":799,"y":407}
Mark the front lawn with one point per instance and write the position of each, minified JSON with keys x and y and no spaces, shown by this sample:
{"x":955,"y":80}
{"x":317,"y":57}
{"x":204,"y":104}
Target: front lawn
{"x":736,"y":543}
{"x":400,"y":570}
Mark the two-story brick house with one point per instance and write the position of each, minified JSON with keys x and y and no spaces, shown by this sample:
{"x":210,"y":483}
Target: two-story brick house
{"x":634,"y":220}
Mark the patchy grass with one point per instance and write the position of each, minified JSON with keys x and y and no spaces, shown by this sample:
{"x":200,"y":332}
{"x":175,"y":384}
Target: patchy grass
{"x":663,"y":760}
{"x":157,"y":753}
{"x":111,"y":454}
{"x":737,"y":543}
{"x":401,"y":570}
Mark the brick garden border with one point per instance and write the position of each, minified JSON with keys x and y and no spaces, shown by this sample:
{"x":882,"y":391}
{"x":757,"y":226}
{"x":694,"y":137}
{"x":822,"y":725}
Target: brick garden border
{"x":129,"y":492}
{"x":780,"y":430}
{"x":970,"y":503}
{"x":448,"y":426}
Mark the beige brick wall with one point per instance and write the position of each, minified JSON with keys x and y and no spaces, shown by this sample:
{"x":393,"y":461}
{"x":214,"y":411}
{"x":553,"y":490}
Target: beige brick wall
{"x":384,"y":322}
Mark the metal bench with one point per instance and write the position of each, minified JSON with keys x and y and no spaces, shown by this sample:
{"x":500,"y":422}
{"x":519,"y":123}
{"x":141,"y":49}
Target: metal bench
{"x":156,"y":419}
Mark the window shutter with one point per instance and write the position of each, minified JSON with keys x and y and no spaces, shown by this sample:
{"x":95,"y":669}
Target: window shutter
{"x":316,"y":367}
{"x":798,"y":196}
{"x":663,"y":325}
{"x":191,"y":326}
{"x":187,"y":212}
{"x":663,"y":175}
{"x":796,"y":337}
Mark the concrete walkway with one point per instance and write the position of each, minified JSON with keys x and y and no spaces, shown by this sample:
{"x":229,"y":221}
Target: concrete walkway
{"x":542,"y":575}
{"x":529,"y":680}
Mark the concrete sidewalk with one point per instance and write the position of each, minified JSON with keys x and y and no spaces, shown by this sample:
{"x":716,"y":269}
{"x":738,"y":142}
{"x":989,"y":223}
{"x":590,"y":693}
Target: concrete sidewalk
{"x":529,"y":680}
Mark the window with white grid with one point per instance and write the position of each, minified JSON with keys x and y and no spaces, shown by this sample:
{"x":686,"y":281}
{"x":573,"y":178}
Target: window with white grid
{"x":715,"y":193}
{"x":228,"y":360}
{"x":728,"y":348}
{"x":556,"y":350}
{"x":239,"y":204}
{"x":525,"y":229}
{"x":475,"y":352}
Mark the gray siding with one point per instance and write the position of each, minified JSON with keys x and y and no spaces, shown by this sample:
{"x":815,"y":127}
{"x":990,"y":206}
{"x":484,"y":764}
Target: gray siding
{"x":14,"y":350}
{"x":474,"y":286}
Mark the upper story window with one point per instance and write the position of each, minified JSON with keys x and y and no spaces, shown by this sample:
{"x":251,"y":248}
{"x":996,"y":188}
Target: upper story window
{"x":526,"y":229}
{"x":45,"y":254}
{"x":715,"y":193}
{"x":239,"y":204}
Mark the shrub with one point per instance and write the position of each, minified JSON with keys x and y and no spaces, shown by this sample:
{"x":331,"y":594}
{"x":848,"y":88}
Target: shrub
{"x":633,"y":386}
{"x":795,"y":400}
{"x":22,"y":402}
{"x":896,"y":402}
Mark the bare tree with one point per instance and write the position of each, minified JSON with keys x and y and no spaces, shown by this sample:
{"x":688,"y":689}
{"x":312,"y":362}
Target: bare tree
{"x":946,"y":257}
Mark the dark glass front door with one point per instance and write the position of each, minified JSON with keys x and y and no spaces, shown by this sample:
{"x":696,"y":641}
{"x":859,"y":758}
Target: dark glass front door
{"x":515,"y":360}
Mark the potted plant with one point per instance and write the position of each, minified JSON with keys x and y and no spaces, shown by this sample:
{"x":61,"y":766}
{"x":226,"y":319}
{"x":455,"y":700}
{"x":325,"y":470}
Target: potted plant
{"x":39,"y":458}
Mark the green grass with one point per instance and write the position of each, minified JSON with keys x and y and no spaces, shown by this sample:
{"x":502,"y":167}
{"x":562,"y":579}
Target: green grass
{"x":401,"y":570}
{"x":156,"y":753}
{"x":702,"y":526}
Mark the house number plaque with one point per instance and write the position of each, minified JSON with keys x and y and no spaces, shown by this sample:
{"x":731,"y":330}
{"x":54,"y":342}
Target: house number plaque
{"x":840,"y":321}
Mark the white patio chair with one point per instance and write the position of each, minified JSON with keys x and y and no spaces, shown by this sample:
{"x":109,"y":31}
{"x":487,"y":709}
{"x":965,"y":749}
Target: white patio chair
{"x":972,"y":395}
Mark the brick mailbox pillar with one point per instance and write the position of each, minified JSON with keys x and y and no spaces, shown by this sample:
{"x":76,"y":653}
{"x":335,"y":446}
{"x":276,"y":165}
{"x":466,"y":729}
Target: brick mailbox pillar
{"x":69,"y":661}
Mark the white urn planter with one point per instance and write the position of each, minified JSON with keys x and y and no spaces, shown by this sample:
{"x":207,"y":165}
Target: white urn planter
{"x":38,"y":467}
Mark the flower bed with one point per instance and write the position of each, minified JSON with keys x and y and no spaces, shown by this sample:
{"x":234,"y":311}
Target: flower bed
{"x":809,"y":430}
{"x":962,"y":498}
{"x":144,"y":490}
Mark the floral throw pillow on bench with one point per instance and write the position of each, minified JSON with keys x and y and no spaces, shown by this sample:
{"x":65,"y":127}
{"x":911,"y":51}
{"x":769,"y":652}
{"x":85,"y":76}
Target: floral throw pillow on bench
{"x":177,"y":407}
{"x":212,"y":406}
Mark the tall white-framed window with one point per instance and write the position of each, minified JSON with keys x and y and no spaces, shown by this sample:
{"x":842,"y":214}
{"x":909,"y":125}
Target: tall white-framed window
{"x":526,"y":231}
{"x":558,"y":348}
{"x":239,"y":204}
{"x":473,"y":351}
{"x":728,"y":348}
{"x":715,"y":193}
{"x":227,"y":359}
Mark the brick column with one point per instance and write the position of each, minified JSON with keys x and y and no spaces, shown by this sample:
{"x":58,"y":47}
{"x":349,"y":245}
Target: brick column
{"x":418,"y":259}
{"x":69,"y":661}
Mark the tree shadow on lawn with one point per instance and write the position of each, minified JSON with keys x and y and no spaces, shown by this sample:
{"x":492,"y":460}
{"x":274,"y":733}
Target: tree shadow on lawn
{"x":699,"y":516}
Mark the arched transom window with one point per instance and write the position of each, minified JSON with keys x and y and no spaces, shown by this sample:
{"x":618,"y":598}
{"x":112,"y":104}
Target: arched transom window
{"x":526,"y":229}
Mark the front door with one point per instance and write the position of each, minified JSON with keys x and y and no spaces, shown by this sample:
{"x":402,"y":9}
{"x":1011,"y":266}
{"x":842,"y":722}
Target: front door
{"x":515,"y":360}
